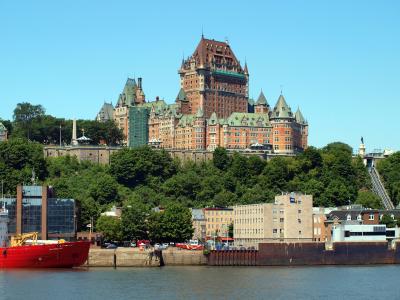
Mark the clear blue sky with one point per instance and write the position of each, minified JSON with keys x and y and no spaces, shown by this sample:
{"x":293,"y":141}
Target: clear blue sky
{"x":338,"y":60}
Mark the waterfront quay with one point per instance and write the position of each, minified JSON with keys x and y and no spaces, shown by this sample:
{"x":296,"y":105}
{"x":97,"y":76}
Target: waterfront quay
{"x":268,"y":254}
{"x":135,"y":257}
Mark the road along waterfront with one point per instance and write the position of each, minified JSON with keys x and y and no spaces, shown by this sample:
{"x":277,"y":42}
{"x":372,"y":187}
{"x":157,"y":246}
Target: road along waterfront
{"x":203,"y":282}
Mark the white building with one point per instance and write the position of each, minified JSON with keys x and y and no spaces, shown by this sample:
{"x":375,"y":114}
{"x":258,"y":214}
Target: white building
{"x":3,"y":227}
{"x":363,"y":233}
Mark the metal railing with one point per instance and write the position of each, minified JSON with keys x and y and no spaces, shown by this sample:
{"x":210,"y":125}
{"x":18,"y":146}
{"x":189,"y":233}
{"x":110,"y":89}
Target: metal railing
{"x":379,"y":188}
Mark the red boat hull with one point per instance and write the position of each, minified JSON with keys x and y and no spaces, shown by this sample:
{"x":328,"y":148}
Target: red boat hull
{"x":65,"y":255}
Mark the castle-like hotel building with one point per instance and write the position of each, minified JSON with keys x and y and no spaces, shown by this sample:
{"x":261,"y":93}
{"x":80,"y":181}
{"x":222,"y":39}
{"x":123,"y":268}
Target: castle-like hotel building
{"x":212,"y":109}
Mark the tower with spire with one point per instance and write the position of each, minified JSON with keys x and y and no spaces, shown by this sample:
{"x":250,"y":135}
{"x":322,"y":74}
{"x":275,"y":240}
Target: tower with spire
{"x":132,"y":95}
{"x":213,"y":79}
{"x":290,"y":131}
{"x":261,"y":106}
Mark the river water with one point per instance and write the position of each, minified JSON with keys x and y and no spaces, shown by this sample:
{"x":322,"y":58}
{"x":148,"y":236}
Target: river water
{"x":327,"y":282}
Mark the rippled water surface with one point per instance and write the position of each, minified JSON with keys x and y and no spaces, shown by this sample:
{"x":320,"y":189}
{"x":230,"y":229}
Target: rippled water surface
{"x":376,"y":282}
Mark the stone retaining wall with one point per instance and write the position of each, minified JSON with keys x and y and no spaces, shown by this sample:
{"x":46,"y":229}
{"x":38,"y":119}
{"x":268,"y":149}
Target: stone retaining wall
{"x":178,"y":257}
{"x":122,"y":257}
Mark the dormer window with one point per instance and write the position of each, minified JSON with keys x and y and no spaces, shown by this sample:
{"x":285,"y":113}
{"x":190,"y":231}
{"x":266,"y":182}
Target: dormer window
{"x":348,"y":217}
{"x":359,"y":218}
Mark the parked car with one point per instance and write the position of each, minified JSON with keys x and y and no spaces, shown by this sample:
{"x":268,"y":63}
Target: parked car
{"x":111,"y":246}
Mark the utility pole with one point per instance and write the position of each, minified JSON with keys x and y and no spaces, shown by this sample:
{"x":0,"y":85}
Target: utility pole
{"x":60,"y":135}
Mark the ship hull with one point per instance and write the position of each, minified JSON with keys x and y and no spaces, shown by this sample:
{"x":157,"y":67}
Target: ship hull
{"x":64,"y":255}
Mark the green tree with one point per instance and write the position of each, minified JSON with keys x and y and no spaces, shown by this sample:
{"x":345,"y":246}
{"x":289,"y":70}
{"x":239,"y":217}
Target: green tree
{"x":8,"y":125}
{"x":110,"y":227}
{"x":221,"y":159}
{"x":388,"y":221}
{"x":337,"y":193}
{"x":19,"y":160}
{"x":230,"y":230}
{"x":368,"y":199}
{"x":132,"y":167}
{"x":24,"y":116}
{"x":225,"y":198}
{"x":104,"y":190}
{"x":184,"y":187}
{"x":275,"y":175}
{"x":174,"y":224}
{"x":135,"y":220}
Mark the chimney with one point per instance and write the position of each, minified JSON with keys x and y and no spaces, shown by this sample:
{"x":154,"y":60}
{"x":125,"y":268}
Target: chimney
{"x":74,"y":142}
{"x":157,"y":98}
{"x":139,"y":83}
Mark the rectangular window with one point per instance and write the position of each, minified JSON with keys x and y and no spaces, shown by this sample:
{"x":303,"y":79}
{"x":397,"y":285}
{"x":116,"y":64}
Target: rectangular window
{"x":281,"y":220}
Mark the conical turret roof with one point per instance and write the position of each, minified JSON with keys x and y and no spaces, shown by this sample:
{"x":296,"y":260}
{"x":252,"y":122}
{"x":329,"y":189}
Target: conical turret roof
{"x":213,"y":119}
{"x":181,"y":95}
{"x":282,"y":109}
{"x":299,"y":117}
{"x":262,"y":100}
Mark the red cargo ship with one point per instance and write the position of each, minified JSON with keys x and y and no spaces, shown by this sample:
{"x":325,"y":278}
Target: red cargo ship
{"x":62,"y":255}
{"x":26,"y":251}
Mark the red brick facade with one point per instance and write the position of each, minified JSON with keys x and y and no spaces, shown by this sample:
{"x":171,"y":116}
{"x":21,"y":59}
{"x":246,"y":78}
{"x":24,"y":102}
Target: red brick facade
{"x":213,"y":109}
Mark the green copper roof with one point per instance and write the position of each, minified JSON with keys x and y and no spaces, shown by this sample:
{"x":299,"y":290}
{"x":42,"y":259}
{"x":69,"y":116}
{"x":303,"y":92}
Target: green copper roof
{"x":251,"y":101}
{"x":128,"y":95}
{"x":282,"y":109}
{"x":213,"y":119}
{"x":241,"y":120}
{"x":181,"y":96}
{"x":299,"y":117}
{"x":186,"y":120}
{"x":131,"y":82}
{"x":248,"y":119}
{"x":262,"y":100}
{"x":228,"y":73}
{"x":200,"y":113}
{"x":150,"y":104}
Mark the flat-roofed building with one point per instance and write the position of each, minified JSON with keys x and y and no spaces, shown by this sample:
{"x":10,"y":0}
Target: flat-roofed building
{"x":36,"y":209}
{"x":288,"y":219}
{"x":363,"y":233}
{"x":218,"y":220}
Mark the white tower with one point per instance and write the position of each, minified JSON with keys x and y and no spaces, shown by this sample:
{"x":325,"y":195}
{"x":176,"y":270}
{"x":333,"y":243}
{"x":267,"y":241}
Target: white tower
{"x":74,"y":142}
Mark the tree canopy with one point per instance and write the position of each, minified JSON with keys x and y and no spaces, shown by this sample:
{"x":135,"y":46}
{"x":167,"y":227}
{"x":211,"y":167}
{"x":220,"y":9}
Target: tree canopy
{"x":143,"y":178}
{"x":31,"y":122}
{"x":389,"y":169}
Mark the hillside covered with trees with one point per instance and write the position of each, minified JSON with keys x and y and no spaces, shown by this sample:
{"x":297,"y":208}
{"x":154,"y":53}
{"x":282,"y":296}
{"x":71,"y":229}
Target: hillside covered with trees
{"x":142,"y":178}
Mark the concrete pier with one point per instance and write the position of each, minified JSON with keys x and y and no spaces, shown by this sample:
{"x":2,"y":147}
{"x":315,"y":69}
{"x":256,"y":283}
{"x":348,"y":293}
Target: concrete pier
{"x":122,"y":257}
